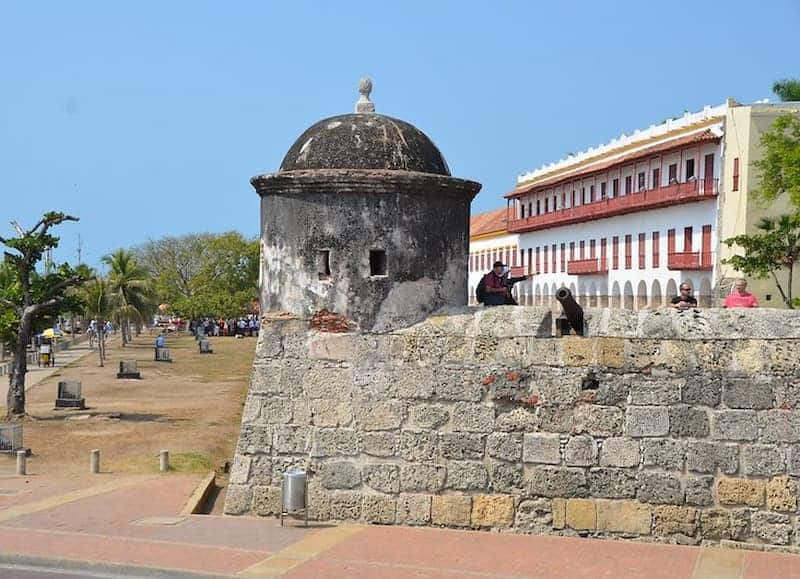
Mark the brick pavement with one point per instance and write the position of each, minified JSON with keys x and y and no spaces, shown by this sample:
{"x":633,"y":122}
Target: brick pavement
{"x":135,"y":521}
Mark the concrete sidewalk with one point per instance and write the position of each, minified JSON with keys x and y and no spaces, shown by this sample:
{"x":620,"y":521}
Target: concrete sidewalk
{"x":133,"y":525}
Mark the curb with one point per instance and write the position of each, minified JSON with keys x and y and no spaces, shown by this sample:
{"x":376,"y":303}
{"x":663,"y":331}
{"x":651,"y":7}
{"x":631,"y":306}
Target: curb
{"x":99,"y":568}
{"x":199,"y":496}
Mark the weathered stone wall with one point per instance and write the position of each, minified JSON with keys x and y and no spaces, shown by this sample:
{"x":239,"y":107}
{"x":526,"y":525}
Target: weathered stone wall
{"x":477,"y":419}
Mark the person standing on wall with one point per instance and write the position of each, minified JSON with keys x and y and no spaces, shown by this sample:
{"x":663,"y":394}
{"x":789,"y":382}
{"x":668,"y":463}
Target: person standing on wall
{"x":495,"y":287}
{"x":740,"y":297}
{"x":685,"y":300}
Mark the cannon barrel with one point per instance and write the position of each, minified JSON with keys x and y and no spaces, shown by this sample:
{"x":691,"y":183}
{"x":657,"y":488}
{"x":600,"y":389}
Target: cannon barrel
{"x":570,"y":309}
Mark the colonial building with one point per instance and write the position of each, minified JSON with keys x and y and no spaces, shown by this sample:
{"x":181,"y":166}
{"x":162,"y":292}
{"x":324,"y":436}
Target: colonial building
{"x":625,"y":223}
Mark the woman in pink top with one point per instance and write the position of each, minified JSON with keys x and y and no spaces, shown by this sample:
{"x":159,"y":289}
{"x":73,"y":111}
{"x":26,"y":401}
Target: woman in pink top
{"x":740,"y":297}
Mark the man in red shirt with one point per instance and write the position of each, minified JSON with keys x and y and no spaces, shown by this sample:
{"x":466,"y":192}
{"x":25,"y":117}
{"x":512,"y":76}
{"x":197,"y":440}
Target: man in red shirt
{"x":740,"y":297}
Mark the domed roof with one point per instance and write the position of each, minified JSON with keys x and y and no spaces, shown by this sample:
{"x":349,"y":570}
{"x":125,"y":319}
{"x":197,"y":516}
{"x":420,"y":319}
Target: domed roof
{"x":364,"y":140}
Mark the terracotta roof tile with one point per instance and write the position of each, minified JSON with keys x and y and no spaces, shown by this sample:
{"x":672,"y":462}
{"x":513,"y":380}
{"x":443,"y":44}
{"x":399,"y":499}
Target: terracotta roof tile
{"x":488,"y":222}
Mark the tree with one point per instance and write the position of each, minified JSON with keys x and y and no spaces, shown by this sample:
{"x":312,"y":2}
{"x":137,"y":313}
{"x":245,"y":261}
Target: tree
{"x":130,"y":291}
{"x":779,"y":168}
{"x":767,"y":253}
{"x":26,"y":295}
{"x":787,"y":89}
{"x":97,"y":306}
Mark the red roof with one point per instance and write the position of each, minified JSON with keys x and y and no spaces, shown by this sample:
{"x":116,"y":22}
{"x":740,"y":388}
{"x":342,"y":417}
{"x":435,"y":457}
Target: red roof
{"x":592,"y":168}
{"x":488,"y":222}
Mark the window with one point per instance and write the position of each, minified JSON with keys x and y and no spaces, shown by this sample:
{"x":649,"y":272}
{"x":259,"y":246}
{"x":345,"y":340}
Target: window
{"x":641,"y":181}
{"x":628,"y":184}
{"x":670,"y":241}
{"x":615,"y":252}
{"x":628,"y":251}
{"x":582,"y":254}
{"x":687,"y":239}
{"x":530,"y":261}
{"x":736,"y":174}
{"x":655,"y":249}
{"x":689,"y":169}
{"x":538,"y":207}
{"x":563,"y":257}
{"x":530,"y":209}
{"x":673,"y":173}
{"x":571,"y":250}
{"x":563,"y":199}
{"x":537,"y":261}
{"x":555,"y":199}
{"x":705,"y":249}
{"x":324,"y":264}
{"x":603,"y":191}
{"x":522,"y":214}
{"x":642,"y":241}
{"x":615,"y":188}
{"x":572,"y":202}
{"x":583,"y":195}
{"x":545,"y":261}
{"x":522,"y":258}
{"x":656,"y":179}
{"x":591,"y":194}
{"x":592,"y":253}
{"x":377,"y":262}
{"x":603,"y":256}
{"x":547,"y":205}
{"x":553,"y":250}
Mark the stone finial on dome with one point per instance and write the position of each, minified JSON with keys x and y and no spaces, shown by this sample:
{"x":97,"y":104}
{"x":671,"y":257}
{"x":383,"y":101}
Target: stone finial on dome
{"x":364,"y":105}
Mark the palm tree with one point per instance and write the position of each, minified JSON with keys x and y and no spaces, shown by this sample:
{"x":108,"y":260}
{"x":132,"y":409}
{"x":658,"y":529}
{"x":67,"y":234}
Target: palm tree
{"x":130,"y":291}
{"x":787,"y":89}
{"x":97,"y":306}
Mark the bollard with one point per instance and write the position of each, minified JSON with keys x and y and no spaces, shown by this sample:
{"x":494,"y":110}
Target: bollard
{"x":21,"y":458}
{"x":94,"y":461}
{"x":163,"y":461}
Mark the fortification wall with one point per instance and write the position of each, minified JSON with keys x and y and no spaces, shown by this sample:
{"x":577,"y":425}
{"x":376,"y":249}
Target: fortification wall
{"x":476,"y":418}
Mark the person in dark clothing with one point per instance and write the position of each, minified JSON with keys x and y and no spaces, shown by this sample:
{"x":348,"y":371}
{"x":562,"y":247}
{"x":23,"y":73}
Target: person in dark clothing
{"x":685,"y":299}
{"x":498,"y":284}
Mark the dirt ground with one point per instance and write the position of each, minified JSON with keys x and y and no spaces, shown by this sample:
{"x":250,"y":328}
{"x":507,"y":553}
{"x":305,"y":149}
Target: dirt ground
{"x":192,"y":407}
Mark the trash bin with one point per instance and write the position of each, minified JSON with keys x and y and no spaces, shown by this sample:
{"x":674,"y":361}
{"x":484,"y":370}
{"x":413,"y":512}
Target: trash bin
{"x":294,"y":494}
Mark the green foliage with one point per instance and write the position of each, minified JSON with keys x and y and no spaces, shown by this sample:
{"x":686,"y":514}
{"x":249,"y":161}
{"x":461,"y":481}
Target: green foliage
{"x":129,"y":288}
{"x":776,"y":248}
{"x":780,"y":166}
{"x":787,"y":89}
{"x":204,"y":274}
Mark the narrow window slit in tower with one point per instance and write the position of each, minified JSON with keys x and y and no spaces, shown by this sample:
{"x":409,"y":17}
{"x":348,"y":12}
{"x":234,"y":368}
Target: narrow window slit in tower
{"x":324,"y":264}
{"x":377,"y":262}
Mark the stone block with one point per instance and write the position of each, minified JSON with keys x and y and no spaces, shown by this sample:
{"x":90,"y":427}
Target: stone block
{"x":620,"y":452}
{"x":612,"y":391}
{"x":451,"y":510}
{"x":338,"y":347}
{"x":458,"y":385}
{"x":266,"y":501}
{"x":735,"y":425}
{"x":428,"y":416}
{"x":255,"y":439}
{"x":556,"y":419}
{"x":630,"y":517}
{"x":612,"y":483}
{"x":418,"y":446}
{"x":345,"y":505}
{"x":422,"y":477}
{"x":699,"y":490}
{"x":581,"y":514}
{"x":556,"y":386}
{"x":340,"y":475}
{"x":492,"y":511}
{"x":660,"y":488}
{"x":782,"y":494}
{"x":275,"y":410}
{"x":655,"y":392}
{"x":263,"y":469}
{"x":470,"y":417}
{"x":559,"y":507}
{"x":664,"y":453}
{"x":749,"y":356}
{"x":460,"y":445}
{"x":793,"y":461}
{"x":292,"y":439}
{"x":467,"y":476}
{"x":319,"y":503}
{"x":716,"y":524}
{"x":747,"y":393}
{"x":779,"y":426}
{"x":772,"y":528}
{"x":414,"y":509}
{"x":580,"y":451}
{"x":646,"y":421}
{"x":240,"y":471}
{"x":238,"y":499}
{"x":534,"y":516}
{"x":598,"y":420}
{"x":552,"y":482}
{"x":688,"y":422}
{"x":610,"y":352}
{"x":505,"y":477}
{"x":379,"y":509}
{"x":329,"y":413}
{"x":334,"y":442}
{"x":328,"y":381}
{"x":382,"y":444}
{"x":386,"y":415}
{"x":785,"y":356}
{"x":702,"y":390}
{"x":504,"y":446}
{"x":672,"y":520}
{"x":707,"y":457}
{"x":641,"y":353}
{"x":577,"y":351}
{"x":518,"y":419}
{"x":763,"y":460}
{"x":384,"y":478}
{"x":541,"y":448}
{"x":787,"y":394}
{"x":739,"y":491}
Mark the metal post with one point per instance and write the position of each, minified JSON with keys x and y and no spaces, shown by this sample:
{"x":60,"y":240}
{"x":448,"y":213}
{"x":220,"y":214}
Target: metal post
{"x":21,"y":459}
{"x":163,"y":461}
{"x":94,"y":461}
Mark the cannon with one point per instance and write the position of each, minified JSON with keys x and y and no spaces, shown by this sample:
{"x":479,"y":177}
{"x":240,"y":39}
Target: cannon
{"x":571,"y":313}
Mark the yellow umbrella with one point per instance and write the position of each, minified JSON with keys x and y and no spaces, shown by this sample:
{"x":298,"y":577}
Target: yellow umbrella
{"x":51,"y":334}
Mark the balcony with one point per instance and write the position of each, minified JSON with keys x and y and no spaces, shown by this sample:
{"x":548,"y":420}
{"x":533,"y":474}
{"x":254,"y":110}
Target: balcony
{"x":586,"y":267}
{"x":517,"y":271}
{"x":677,"y":193}
{"x":687,"y":261}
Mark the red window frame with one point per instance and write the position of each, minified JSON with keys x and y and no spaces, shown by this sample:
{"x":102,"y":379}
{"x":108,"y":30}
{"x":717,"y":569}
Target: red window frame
{"x":642,"y":247}
{"x":736,"y":174}
{"x":615,"y":252}
{"x":655,"y":249}
{"x":628,"y":251}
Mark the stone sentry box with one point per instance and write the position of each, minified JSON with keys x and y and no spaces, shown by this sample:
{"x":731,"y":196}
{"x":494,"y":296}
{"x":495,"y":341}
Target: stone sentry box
{"x":475,"y":418}
{"x":70,"y":395}
{"x":128,"y":370}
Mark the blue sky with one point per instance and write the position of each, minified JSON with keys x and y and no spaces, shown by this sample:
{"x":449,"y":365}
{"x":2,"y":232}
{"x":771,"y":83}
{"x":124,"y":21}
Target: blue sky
{"x":148,"y":118}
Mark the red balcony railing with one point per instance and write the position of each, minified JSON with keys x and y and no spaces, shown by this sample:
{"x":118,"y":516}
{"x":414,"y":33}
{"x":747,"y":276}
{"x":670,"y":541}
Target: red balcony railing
{"x":674,"y":194}
{"x":586,"y":267}
{"x":689,"y":261}
{"x":517,"y":270}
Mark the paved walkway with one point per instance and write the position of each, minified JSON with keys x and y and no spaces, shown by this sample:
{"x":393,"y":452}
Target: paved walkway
{"x":117,"y":525}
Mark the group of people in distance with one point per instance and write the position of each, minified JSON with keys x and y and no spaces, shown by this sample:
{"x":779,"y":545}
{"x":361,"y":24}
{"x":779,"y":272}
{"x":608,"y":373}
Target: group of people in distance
{"x":495,"y":287}
{"x":244,"y":326}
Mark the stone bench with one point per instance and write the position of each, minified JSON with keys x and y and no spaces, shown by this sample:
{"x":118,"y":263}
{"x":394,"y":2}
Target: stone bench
{"x":128,"y":370}
{"x":69,"y":395}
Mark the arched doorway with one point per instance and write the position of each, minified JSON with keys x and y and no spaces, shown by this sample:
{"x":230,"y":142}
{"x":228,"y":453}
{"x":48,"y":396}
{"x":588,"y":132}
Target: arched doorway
{"x":627,"y":296}
{"x":672,"y":291}
{"x":592,"y":295}
{"x":641,"y":295}
{"x":656,"y":299}
{"x":615,"y":296}
{"x":537,"y":295}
